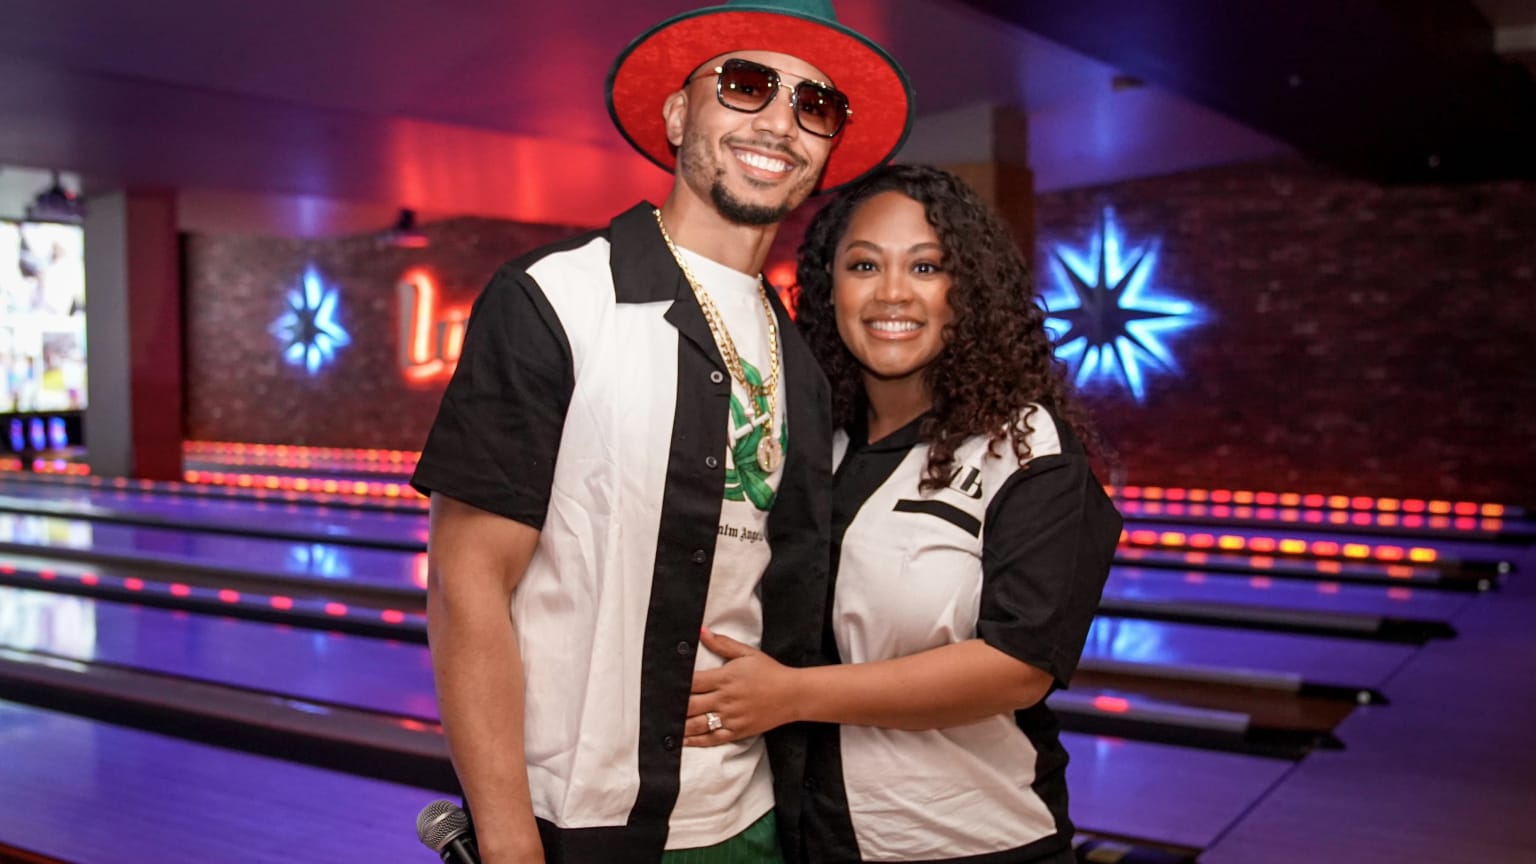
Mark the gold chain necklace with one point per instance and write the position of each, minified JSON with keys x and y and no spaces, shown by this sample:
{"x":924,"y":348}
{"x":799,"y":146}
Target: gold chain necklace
{"x":770,"y":454}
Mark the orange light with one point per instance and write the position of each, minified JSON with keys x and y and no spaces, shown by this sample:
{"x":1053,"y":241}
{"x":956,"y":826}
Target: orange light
{"x":1331,"y":567}
{"x":1440,"y":508}
{"x":1112,"y":704}
{"x":1261,"y":562}
{"x":1389,"y":553}
{"x":1493,"y":510}
{"x":1242,"y":497}
{"x":420,"y":567}
{"x":1398,"y":571}
{"x":1144,"y":538}
{"x":1201,"y":541}
{"x":1338,"y":502}
{"x":1262,"y":544}
{"x":1390,"y":505}
{"x":1171,"y":538}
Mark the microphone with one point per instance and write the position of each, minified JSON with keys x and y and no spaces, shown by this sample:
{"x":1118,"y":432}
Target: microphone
{"x":443,"y":828}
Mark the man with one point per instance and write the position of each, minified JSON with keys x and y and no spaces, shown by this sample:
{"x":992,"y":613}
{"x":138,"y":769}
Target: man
{"x":635,"y":445}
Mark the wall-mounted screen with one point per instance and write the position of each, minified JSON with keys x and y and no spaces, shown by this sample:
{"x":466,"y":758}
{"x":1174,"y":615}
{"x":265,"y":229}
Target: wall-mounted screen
{"x":42,"y":317}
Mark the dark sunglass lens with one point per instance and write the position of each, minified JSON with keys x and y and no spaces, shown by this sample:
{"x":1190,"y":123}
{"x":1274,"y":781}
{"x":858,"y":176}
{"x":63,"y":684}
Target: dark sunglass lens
{"x":746,"y":86}
{"x":821,"y":109}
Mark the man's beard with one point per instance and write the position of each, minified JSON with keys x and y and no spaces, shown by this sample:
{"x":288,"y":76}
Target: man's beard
{"x":739,"y":211}
{"x":692,"y":164}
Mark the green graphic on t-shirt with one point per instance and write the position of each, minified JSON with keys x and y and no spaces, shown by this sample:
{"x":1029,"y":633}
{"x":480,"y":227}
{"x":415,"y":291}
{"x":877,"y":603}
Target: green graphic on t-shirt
{"x":746,"y":480}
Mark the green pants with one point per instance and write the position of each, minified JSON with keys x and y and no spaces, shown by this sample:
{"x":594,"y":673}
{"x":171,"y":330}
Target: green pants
{"x":759,"y":844}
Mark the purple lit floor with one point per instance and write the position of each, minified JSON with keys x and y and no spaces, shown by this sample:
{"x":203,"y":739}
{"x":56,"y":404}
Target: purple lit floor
{"x":93,"y":793}
{"x":1443,"y":773}
{"x":1453,"y":738}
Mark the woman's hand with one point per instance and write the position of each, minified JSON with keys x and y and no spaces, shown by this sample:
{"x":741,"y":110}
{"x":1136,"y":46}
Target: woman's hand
{"x":749,"y":695}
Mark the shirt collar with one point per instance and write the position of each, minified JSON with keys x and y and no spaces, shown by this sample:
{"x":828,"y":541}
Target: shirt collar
{"x":644,"y":270}
{"x":904,"y":438}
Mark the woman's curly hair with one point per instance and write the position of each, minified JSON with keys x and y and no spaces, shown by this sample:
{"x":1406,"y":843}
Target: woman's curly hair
{"x":998,"y":357}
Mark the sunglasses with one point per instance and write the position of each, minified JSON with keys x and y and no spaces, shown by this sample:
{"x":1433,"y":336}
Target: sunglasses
{"x":749,"y":87}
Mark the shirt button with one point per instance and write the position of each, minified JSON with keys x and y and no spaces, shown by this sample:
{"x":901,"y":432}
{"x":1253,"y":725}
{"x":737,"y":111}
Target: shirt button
{"x":683,"y":648}
{"x":716,"y":377}
{"x":669,"y":742}
{"x":711,"y":462}
{"x":699,"y":557}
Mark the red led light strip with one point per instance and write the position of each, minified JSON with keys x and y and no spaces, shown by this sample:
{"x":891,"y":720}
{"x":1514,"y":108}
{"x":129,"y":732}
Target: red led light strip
{"x":1200,"y":541}
{"x":1309,"y":500}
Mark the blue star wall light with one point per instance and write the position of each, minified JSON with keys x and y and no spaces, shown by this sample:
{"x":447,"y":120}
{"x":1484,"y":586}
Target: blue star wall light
{"x":308,"y":328}
{"x":1110,"y":324}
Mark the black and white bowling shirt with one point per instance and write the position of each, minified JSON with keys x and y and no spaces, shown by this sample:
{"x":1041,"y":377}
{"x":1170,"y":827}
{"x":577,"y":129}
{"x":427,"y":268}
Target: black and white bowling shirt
{"x":1016,"y":556}
{"x":590,"y":402}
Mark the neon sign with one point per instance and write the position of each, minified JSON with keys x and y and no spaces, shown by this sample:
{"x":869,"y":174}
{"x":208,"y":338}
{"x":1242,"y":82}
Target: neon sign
{"x":430,"y":344}
{"x":308,"y":329}
{"x":1109,"y":324}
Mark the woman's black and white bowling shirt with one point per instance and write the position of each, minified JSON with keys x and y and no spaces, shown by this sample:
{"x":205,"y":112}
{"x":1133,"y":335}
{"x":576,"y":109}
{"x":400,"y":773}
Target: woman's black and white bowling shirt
{"x":1015,"y":556}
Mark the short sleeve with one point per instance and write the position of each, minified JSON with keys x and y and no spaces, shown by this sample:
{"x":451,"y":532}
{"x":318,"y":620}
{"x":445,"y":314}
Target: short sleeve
{"x":1050,"y":538}
{"x":497,"y":432}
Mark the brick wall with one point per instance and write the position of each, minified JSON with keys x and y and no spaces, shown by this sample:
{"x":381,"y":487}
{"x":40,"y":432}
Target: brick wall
{"x":240,"y":388}
{"x":1360,"y":338}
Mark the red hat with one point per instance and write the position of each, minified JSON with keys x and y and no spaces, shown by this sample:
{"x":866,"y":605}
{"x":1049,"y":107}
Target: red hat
{"x":655,"y":65}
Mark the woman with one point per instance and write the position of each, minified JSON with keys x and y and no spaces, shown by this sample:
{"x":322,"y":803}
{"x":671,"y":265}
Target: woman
{"x":970,"y":542}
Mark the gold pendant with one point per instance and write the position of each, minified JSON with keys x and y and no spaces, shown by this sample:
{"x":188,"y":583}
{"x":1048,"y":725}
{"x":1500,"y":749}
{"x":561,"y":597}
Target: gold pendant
{"x":769,"y":454}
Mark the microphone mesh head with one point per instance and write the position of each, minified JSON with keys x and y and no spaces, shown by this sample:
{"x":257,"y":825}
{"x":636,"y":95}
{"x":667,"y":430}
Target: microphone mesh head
{"x":439,"y":823}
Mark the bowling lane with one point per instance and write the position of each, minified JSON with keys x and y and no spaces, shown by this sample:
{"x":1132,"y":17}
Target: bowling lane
{"x":1518,"y":530}
{"x":1401,"y":601}
{"x":396,"y":678}
{"x":80,"y":790}
{"x":1480,"y":555}
{"x":1162,"y":793}
{"x":396,"y":529}
{"x":1354,"y":663}
{"x":374,"y":674}
{"x":333,"y":562}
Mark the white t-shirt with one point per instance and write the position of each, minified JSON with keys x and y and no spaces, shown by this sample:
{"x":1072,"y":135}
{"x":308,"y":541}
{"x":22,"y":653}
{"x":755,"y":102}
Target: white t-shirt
{"x":725,"y":789}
